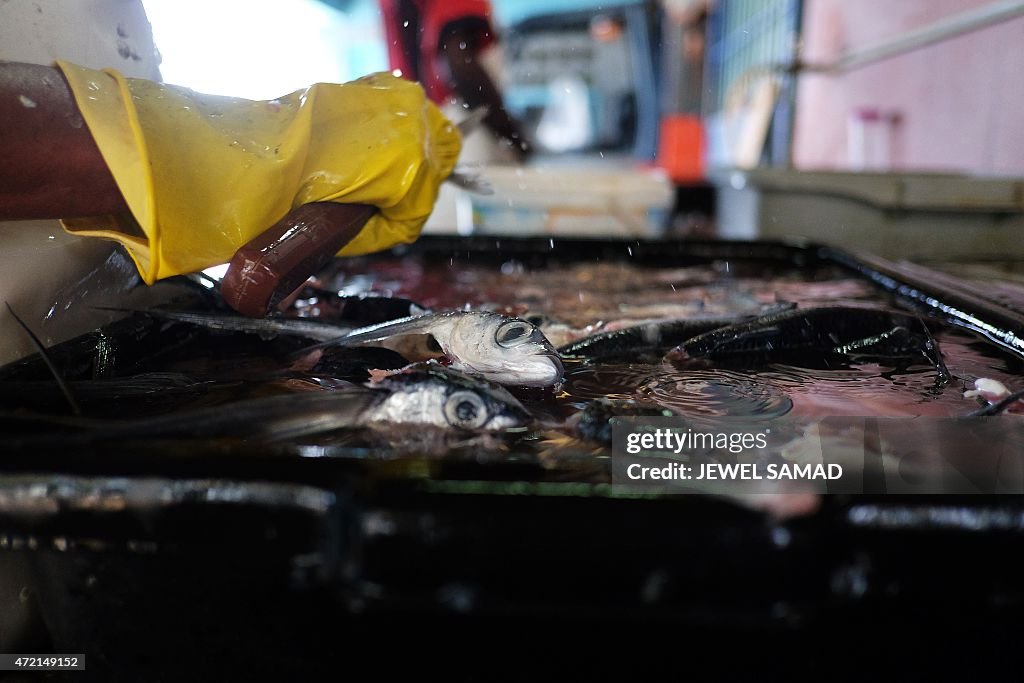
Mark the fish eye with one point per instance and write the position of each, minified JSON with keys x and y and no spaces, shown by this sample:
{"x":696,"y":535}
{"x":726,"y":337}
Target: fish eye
{"x":512,"y":333}
{"x":465,"y":409}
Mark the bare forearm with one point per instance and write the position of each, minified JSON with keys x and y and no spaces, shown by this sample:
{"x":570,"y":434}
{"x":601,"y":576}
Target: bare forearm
{"x":50,"y":166}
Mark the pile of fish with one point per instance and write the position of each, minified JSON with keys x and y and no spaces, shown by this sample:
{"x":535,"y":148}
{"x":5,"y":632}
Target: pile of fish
{"x":440,"y":370}
{"x":421,"y":394}
{"x":377,"y":362}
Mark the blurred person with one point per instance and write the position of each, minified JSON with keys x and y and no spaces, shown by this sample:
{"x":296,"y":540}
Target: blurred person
{"x":450,"y":47}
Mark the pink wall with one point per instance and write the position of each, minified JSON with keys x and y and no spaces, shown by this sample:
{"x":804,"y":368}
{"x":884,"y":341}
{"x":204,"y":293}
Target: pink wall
{"x":960,"y":102}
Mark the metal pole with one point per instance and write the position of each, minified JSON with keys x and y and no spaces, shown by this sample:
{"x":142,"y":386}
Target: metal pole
{"x":949,"y":27}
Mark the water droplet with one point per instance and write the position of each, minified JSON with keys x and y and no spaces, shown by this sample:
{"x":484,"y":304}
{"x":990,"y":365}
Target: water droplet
{"x":27,"y":102}
{"x":654,"y":586}
{"x":458,"y":597}
{"x":512,"y":268}
{"x":781,"y":537}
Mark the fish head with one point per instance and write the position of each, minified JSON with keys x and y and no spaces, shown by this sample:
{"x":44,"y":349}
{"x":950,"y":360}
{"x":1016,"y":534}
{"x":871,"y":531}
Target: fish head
{"x":505,"y":350}
{"x":431,"y":394}
{"x":501,"y":349}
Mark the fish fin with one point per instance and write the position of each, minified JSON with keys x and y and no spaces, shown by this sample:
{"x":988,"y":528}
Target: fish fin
{"x":65,"y":389}
{"x":414,"y":324}
{"x":403,"y":326}
{"x":275,"y":326}
{"x":471,"y":181}
{"x":473,"y":120}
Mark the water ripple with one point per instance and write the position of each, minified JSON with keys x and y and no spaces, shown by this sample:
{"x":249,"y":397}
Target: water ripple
{"x":716,"y":393}
{"x":697,"y":392}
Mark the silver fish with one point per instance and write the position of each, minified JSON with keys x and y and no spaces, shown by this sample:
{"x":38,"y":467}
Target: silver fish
{"x":425,"y":395}
{"x":431,"y":394}
{"x":307,"y":328}
{"x":501,"y":349}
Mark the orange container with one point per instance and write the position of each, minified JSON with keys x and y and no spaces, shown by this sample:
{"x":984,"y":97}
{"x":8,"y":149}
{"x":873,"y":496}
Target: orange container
{"x":681,"y":148}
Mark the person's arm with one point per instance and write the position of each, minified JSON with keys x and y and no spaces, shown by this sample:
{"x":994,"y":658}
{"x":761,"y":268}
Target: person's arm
{"x":51,"y":166}
{"x":53,"y":169}
{"x":476,"y":88}
{"x":180,"y":201}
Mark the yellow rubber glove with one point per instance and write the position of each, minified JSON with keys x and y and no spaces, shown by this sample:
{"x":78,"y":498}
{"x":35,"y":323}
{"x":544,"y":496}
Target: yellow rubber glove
{"x":203,"y":175}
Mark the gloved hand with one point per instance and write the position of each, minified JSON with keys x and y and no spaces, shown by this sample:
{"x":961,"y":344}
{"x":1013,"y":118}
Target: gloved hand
{"x":203,"y":175}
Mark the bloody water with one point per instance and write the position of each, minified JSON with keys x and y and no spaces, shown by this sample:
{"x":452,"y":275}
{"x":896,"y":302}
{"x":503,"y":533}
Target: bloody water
{"x":573,"y":301}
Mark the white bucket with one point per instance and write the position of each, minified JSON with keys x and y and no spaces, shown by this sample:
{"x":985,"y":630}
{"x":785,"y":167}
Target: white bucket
{"x":565,"y":200}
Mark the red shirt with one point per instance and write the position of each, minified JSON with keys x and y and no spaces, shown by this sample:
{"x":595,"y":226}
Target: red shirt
{"x":414,"y":38}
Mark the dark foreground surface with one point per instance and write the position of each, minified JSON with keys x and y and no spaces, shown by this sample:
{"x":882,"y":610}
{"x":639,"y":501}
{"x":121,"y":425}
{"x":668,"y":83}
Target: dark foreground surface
{"x":231,"y":560}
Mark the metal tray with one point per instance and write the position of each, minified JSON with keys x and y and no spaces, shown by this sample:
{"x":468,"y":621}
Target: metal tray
{"x":209,"y":564}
